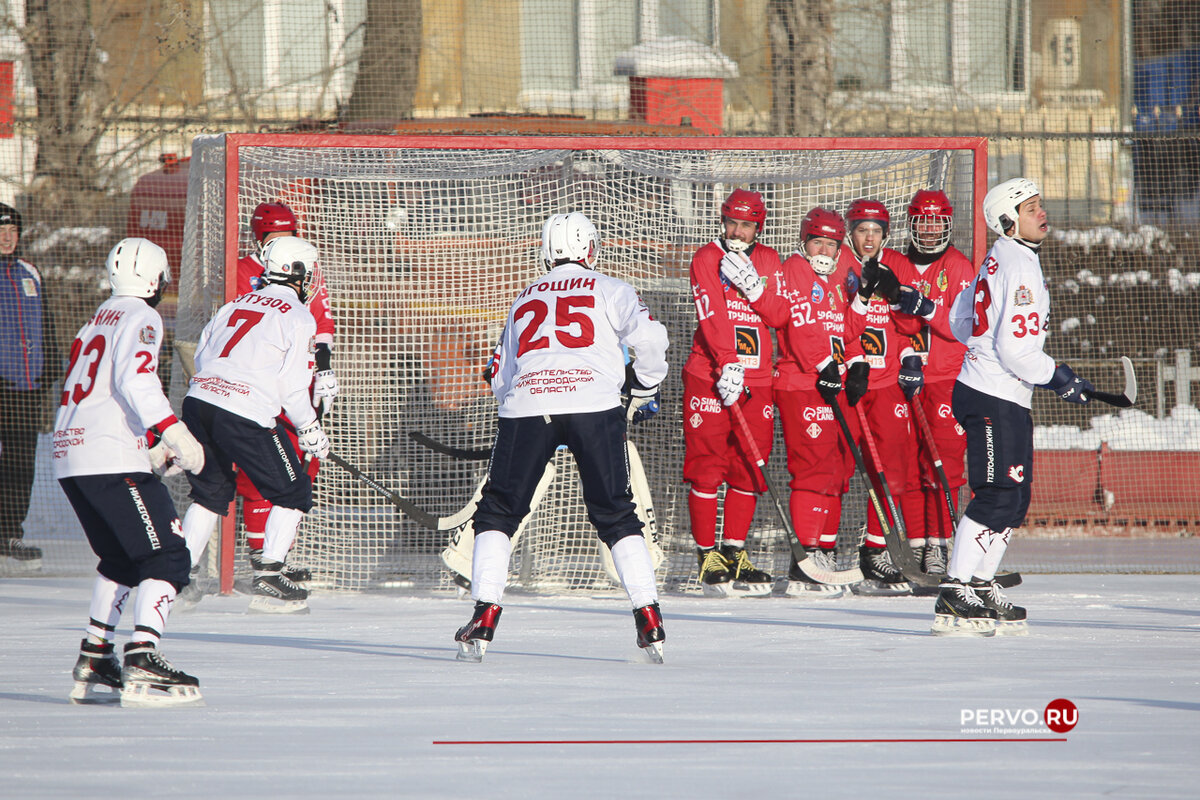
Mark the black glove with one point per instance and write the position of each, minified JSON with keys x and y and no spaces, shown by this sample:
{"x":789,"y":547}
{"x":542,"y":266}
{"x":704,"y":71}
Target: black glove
{"x":856,"y":381}
{"x":913,"y":302}
{"x":912,"y":375}
{"x":868,"y":280}
{"x":829,"y":382}
{"x":323,"y":356}
{"x":1069,"y":386}
{"x":641,"y":402}
{"x":888,"y":286}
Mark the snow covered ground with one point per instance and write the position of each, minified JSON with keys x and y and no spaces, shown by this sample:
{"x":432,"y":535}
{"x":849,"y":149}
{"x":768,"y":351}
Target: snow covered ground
{"x":837,"y":698}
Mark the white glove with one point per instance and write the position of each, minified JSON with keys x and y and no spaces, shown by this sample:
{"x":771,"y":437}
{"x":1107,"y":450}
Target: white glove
{"x":313,"y":440}
{"x":161,"y":461}
{"x":183,"y":447}
{"x":732,"y":383}
{"x":325,"y":388}
{"x":739,"y":270}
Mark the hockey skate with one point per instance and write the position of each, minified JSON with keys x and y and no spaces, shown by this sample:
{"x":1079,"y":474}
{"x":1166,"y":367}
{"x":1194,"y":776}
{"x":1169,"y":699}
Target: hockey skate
{"x":275,"y":594}
{"x":714,"y":572}
{"x":650,"y":633}
{"x":294,"y":574}
{"x":22,"y":557}
{"x":745,"y":580}
{"x":880,"y":576}
{"x":960,"y":611}
{"x":150,"y":681}
{"x":96,"y":667}
{"x":1010,"y":619}
{"x":933,"y":559}
{"x":800,"y":585}
{"x":474,"y":637}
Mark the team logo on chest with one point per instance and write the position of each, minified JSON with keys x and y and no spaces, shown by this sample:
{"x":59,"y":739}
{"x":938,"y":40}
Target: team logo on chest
{"x":943,"y":282}
{"x":818,"y":293}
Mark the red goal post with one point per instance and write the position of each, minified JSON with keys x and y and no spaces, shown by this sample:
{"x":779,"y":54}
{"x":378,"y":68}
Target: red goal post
{"x":424,"y":239}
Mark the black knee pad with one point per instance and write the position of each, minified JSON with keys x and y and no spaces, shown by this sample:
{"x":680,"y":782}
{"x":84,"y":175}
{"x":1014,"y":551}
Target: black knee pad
{"x":999,"y":507}
{"x":171,"y":564}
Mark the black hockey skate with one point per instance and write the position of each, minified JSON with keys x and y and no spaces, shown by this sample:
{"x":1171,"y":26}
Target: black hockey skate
{"x":1010,"y":619}
{"x":474,"y":637}
{"x":880,"y":576}
{"x":800,"y":585}
{"x":714,"y":572}
{"x":24,"y":557}
{"x":650,"y":633}
{"x":746,"y":580}
{"x":960,"y":611}
{"x":293,"y":574}
{"x":96,"y":666}
{"x":150,"y":681}
{"x":275,"y":594}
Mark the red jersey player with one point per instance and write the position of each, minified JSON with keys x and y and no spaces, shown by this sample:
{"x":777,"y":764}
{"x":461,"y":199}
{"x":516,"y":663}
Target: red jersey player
{"x":816,"y":348}
{"x":894,"y":363}
{"x":940,"y":272}
{"x":731,"y":351}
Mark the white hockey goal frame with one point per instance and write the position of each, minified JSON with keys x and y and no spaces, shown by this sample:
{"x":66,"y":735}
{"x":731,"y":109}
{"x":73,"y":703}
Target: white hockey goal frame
{"x":681,"y":177}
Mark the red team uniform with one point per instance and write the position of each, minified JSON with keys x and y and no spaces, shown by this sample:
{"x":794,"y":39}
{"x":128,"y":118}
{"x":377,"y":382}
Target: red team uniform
{"x":730,"y":330}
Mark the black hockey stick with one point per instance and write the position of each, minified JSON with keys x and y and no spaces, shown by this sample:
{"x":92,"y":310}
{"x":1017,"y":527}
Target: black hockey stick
{"x":834,"y":577}
{"x":897,"y":541}
{"x":1128,"y":397}
{"x":422,"y":518}
{"x":481,"y":454}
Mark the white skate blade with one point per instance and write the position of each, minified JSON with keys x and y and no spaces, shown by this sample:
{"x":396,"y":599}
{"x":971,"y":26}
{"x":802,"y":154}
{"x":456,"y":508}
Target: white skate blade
{"x":736,"y":589}
{"x":815,"y":591}
{"x":139,"y":694}
{"x":261,"y":604}
{"x":873,"y":588}
{"x":1018,"y":627}
{"x":653,"y":652}
{"x":947,"y":625}
{"x":85,"y":694}
{"x":472,"y":651}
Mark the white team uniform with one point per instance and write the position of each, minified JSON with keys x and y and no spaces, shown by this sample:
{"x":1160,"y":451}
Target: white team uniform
{"x":112,"y":391}
{"x":1002,"y":318}
{"x":255,"y":376}
{"x":561,"y":348}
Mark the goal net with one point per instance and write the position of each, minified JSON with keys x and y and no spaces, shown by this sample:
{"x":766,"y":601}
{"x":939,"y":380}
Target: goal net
{"x":424,"y":242}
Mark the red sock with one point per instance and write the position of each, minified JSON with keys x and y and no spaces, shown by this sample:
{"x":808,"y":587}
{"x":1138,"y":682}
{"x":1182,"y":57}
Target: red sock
{"x":739,"y":513}
{"x":810,"y":514}
{"x":912,"y":507}
{"x":702,"y":509}
{"x":254,"y":514}
{"x":832,"y":522}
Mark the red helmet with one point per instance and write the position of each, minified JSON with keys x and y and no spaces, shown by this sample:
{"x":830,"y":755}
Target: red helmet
{"x":930,"y":205}
{"x":822,"y":222}
{"x":745,"y":204}
{"x":272,"y":218}
{"x":863,"y":210}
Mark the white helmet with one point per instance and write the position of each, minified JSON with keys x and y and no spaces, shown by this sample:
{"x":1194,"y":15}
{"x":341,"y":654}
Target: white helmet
{"x":1001,"y":202}
{"x":570,"y":238}
{"x":291,"y":261}
{"x":138,"y":268}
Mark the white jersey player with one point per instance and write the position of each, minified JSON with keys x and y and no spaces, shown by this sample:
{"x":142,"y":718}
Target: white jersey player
{"x":254,"y":358}
{"x":558,"y":380}
{"x":112,"y":402}
{"x":1002,"y":318}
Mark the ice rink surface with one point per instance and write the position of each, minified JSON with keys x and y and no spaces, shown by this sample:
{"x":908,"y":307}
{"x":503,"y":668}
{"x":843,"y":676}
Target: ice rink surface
{"x":841,"y":698}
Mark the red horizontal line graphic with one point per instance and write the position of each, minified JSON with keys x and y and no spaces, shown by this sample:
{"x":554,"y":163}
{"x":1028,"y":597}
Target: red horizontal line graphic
{"x":746,"y":741}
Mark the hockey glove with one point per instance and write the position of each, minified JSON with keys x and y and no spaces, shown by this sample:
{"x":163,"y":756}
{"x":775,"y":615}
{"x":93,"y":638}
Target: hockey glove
{"x":493,"y":364}
{"x":161,"y":461}
{"x":732,"y":383}
{"x":913,"y":302}
{"x":1069,"y":386}
{"x":869,"y":280}
{"x":313,"y":440}
{"x":829,"y":382}
{"x":888,"y":286}
{"x":739,"y":270}
{"x":912,"y":375}
{"x":857,"y":378}
{"x":641,"y":402}
{"x":187,"y":452}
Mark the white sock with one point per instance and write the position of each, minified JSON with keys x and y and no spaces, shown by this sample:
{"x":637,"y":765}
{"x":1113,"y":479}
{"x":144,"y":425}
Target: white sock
{"x":108,"y":601}
{"x":986,"y":569}
{"x":153,"y":607}
{"x":971,"y":543}
{"x":632,"y":560}
{"x":282,"y":524}
{"x":489,"y":566}
{"x":198,"y":525}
